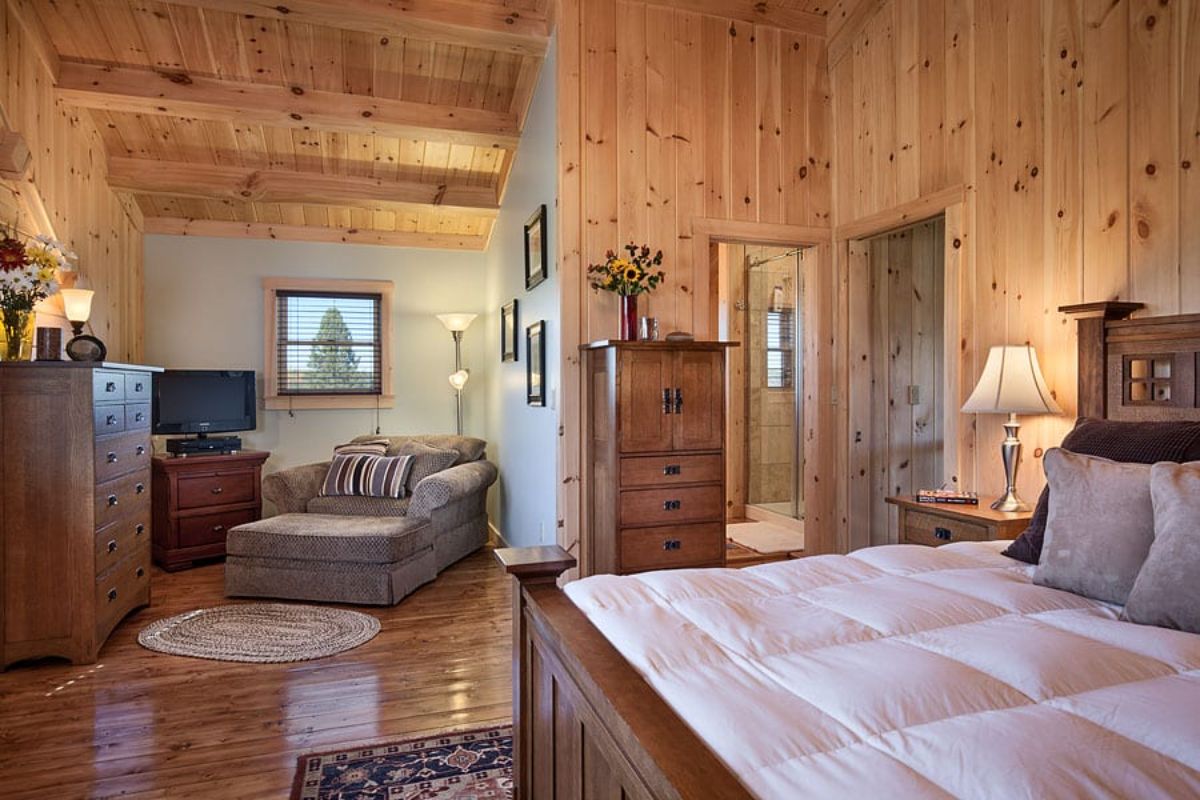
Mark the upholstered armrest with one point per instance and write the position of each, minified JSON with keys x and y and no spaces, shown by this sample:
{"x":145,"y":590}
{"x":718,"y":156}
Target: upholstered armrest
{"x":291,"y":489}
{"x":447,"y":486}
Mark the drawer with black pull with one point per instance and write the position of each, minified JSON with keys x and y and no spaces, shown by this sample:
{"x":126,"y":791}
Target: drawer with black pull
{"x":122,"y":589}
{"x":118,"y":540}
{"x":672,"y":469}
{"x":122,"y":498}
{"x":137,"y":386}
{"x":109,"y":419}
{"x":121,"y":454}
{"x":935,"y":530}
{"x":671,"y":505}
{"x":108,"y":386}
{"x":673,"y":546}
{"x":137,"y":416}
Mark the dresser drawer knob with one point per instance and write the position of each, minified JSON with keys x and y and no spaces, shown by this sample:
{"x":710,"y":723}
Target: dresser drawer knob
{"x":112,"y":545}
{"x":110,"y":387}
{"x":112,"y":500}
{"x":218,"y":528}
{"x":672,"y":505}
{"x":672,"y":544}
{"x":140,"y":488}
{"x":139,"y":416}
{"x":945,"y":534}
{"x":111,"y":419}
{"x":666,"y":401}
{"x":112,"y":595}
{"x":140,"y":529}
{"x":672,"y":469}
{"x":137,"y":387}
{"x":140,"y":572}
{"x":141,"y":450}
{"x":112,"y":458}
{"x":217,"y":490}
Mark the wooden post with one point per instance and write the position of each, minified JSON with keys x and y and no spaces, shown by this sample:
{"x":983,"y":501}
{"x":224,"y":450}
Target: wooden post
{"x":1092,"y":317}
{"x":529,"y":566}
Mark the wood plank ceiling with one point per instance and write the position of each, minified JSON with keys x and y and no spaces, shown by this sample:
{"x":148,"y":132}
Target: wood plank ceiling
{"x":374,"y":121}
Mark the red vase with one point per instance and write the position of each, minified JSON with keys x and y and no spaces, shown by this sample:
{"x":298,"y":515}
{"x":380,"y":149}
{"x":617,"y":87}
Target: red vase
{"x":629,"y":317}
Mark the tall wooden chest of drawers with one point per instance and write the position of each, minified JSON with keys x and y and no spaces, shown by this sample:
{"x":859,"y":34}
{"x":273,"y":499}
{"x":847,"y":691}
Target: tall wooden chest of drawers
{"x":74,"y":505}
{"x":656,"y":456}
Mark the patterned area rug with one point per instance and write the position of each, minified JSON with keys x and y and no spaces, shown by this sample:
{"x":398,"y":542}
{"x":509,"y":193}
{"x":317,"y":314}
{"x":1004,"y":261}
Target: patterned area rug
{"x":470,"y":765}
{"x":260,"y":633}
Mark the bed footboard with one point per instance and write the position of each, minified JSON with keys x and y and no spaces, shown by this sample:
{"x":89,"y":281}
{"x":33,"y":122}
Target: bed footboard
{"x":585,"y":722}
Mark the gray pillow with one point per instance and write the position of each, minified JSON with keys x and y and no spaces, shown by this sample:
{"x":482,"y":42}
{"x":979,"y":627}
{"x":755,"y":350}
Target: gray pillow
{"x":1100,"y":526}
{"x":1167,"y":590}
{"x":426,"y":461}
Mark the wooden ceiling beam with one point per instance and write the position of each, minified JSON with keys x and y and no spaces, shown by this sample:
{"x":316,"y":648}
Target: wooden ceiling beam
{"x":775,"y":13}
{"x":470,"y":23}
{"x":175,"y":226}
{"x":179,"y":94}
{"x":245,"y":184}
{"x":35,"y":34}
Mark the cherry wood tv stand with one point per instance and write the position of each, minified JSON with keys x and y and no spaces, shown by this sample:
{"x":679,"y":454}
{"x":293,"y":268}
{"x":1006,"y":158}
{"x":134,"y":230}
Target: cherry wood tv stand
{"x":197,"y":499}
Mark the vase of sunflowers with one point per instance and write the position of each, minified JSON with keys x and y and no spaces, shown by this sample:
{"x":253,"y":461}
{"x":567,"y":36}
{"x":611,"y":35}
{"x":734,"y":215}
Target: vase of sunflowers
{"x":628,"y":275}
{"x":28,"y":275}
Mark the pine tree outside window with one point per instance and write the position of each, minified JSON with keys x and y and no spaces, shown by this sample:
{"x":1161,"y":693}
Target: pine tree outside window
{"x":327,"y":343}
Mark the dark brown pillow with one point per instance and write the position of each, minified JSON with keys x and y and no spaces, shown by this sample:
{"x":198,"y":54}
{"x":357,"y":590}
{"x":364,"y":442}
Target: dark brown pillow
{"x":1131,"y":442}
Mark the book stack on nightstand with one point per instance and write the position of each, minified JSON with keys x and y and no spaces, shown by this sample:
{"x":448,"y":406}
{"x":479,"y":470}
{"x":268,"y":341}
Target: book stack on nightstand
{"x":935,"y":524}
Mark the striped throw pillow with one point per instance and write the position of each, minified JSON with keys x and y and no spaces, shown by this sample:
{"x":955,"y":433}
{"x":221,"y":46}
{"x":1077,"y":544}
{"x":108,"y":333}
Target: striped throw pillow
{"x":364,"y":475}
{"x":369,"y":447}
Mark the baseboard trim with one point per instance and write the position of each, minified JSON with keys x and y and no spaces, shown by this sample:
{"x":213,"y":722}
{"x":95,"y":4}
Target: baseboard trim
{"x":496,"y":535}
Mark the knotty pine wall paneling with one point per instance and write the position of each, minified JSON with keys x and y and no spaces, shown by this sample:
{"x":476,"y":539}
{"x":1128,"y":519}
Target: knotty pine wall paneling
{"x":67,"y":194}
{"x":668,"y":115}
{"x":1073,"y":127}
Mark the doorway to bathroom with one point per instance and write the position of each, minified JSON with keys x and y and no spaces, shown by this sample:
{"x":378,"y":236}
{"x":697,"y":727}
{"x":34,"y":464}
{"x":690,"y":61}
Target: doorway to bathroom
{"x":763,"y":290}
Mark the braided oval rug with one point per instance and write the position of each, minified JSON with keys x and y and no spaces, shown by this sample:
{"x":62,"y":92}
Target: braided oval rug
{"x":260,"y":633}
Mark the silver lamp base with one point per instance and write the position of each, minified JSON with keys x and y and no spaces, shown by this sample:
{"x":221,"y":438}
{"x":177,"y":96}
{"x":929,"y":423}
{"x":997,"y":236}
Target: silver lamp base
{"x":1010,"y":452}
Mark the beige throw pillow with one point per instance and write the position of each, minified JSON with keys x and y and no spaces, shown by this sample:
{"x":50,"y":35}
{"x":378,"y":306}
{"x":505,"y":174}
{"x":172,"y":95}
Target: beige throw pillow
{"x":1100,"y":526}
{"x":1167,"y":590}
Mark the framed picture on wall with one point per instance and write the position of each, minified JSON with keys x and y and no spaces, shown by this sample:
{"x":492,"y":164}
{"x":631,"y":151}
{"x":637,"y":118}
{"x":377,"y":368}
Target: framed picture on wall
{"x":537,"y":259}
{"x":508,"y":332}
{"x":535,"y":364}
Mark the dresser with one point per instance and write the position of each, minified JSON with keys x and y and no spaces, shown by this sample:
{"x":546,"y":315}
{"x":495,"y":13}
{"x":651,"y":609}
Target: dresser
{"x":197,"y":499}
{"x":655,"y":455}
{"x":935,"y":524}
{"x":74,"y":505}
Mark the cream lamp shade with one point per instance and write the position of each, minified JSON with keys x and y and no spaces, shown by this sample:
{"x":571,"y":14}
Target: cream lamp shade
{"x":457,"y":322}
{"x":77,"y":303}
{"x":459,"y":379}
{"x":1011,"y":383}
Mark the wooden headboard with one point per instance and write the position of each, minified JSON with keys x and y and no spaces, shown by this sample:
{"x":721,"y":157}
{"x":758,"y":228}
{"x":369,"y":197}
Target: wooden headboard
{"x":1137,"y":369}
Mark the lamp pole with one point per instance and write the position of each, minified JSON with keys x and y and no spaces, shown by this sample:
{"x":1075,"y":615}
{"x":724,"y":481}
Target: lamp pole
{"x":458,"y":368}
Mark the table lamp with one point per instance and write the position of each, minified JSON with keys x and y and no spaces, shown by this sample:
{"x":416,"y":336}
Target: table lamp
{"x":1012,"y":384}
{"x":77,"y":303}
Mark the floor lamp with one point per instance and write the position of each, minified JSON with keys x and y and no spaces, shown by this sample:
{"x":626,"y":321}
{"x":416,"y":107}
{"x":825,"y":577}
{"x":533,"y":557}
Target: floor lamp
{"x":457,"y":323}
{"x":1012,"y":384}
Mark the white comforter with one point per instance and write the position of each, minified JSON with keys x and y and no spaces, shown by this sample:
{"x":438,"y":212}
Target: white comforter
{"x":909,"y":671}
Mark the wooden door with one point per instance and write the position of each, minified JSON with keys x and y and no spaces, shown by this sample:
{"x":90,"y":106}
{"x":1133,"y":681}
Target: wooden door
{"x":644,"y":375}
{"x":700,"y":384}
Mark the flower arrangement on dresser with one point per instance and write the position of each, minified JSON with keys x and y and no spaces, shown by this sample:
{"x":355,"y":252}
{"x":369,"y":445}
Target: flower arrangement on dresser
{"x":29,"y":273}
{"x":628,"y":276}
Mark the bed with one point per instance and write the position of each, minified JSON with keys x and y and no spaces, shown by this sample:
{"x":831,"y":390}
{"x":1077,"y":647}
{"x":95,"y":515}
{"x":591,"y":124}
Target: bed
{"x":894,"y":671}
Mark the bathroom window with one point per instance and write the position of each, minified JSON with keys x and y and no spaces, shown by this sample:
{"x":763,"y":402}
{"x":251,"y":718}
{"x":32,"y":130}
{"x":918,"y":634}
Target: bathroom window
{"x":780,"y":346}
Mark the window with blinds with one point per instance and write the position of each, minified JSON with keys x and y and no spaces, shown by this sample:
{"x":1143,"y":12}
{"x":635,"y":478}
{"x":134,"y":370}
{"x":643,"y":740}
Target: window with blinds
{"x":780,"y":342}
{"x":328,"y":343}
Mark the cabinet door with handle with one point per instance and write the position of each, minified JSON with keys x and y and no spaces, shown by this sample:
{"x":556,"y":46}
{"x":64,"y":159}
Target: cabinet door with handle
{"x":698,"y":400}
{"x":645,"y":407}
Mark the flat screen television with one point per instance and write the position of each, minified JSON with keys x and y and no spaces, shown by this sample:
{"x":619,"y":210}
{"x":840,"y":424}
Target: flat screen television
{"x":204,"y":401}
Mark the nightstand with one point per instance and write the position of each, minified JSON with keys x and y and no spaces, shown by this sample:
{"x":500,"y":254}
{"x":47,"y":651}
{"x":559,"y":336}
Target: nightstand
{"x":935,"y":524}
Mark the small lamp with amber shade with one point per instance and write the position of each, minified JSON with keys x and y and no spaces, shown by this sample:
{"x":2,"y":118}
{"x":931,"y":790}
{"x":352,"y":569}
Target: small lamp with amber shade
{"x":77,"y":303}
{"x":1012,"y":384}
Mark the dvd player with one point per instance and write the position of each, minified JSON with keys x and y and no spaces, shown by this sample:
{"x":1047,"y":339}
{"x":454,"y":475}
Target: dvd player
{"x":205,"y":445}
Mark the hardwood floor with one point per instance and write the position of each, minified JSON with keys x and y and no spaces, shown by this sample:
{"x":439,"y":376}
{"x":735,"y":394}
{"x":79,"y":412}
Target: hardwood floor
{"x":146,"y":725}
